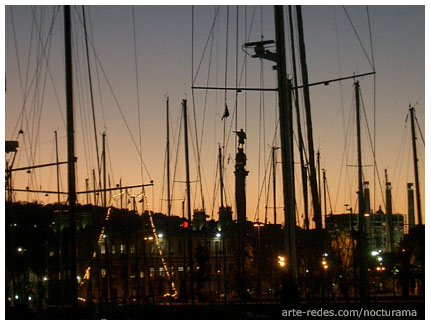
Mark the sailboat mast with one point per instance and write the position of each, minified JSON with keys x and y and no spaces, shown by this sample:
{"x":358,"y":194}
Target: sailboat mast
{"x":104,"y":168}
{"x":274,"y":185}
{"x":312,"y":168}
{"x":221,"y":176}
{"x":70,"y":155}
{"x":58,"y":168}
{"x":168,"y":170}
{"x":286,"y":140}
{"x":189,"y":211}
{"x":362,"y":236}
{"x":298,"y":121}
{"x":415,"y":164}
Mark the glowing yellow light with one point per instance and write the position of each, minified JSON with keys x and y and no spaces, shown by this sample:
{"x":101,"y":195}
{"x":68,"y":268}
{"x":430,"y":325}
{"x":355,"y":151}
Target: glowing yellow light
{"x":281,"y":261}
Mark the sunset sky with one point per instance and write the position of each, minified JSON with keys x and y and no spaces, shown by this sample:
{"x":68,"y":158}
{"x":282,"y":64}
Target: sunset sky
{"x":393,"y":37}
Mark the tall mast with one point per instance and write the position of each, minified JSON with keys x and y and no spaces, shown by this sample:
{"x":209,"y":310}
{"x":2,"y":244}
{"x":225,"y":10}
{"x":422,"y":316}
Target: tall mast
{"x":274,"y":185}
{"x":94,"y":188}
{"x":415,"y":164}
{"x":168,"y":181}
{"x":168,"y":170}
{"x":58,"y":168}
{"x":298,"y":121}
{"x":189,"y":210}
{"x":324,"y":194}
{"x":362,"y":236}
{"x":312,"y":168}
{"x":104,"y":168}
{"x":221,"y":176}
{"x":286,"y":141}
{"x":70,"y":155}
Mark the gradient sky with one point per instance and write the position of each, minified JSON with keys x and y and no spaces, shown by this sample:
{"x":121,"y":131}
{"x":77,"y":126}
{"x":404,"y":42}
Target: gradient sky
{"x":164,"y":67}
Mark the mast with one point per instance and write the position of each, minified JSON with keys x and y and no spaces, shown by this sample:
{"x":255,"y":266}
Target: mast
{"x":324,"y":194}
{"x":104,"y":168}
{"x":94,"y":188}
{"x":58,"y":168}
{"x":298,"y":122}
{"x":274,"y":186}
{"x":319,"y":170}
{"x":362,"y":236}
{"x":70,"y":155}
{"x":312,"y":168}
{"x":168,"y":171}
{"x":389,"y":217}
{"x":415,"y":164}
{"x":286,"y":141}
{"x":168,"y":181}
{"x":221,"y":176}
{"x":189,"y":211}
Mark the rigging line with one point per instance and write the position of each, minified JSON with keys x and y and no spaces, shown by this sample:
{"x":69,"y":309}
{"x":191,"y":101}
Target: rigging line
{"x":91,"y":91}
{"x":344,"y":155}
{"x":122,"y":114}
{"x":198,"y":148}
{"x":97,"y":73}
{"x":205,"y":107}
{"x":372,"y":148}
{"x":420,"y":131}
{"x":110,"y":167}
{"x":206,"y":44}
{"x":28,"y":66}
{"x":137,"y":88}
{"x":180,"y":122}
{"x":371,"y":39}
{"x":215,"y":189}
{"x":78,"y":66}
{"x":357,"y":36}
{"x":236,"y":70}
{"x":49,"y":70}
{"x":16,"y":48}
{"x":41,"y":96}
{"x":225,"y":76}
{"x":22,"y":116}
{"x":397,"y":169}
{"x":329,"y":197}
{"x":264,"y":178}
{"x":374,"y":104}
{"x":119,"y":107}
{"x":339,"y":74}
{"x":226,"y":143}
{"x":165,"y":168}
{"x":261,"y":190}
{"x":34,"y":78}
{"x":197,"y":153}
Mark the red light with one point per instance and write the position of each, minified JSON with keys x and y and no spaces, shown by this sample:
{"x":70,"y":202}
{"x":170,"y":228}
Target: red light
{"x":185,"y":224}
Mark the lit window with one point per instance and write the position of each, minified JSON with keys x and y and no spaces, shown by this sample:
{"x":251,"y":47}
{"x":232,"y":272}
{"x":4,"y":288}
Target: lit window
{"x":113,"y":250}
{"x":180,"y":269}
{"x":102,"y":248}
{"x":122,"y":248}
{"x":142,"y":274}
{"x":103,"y":272}
{"x":132,"y":249}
